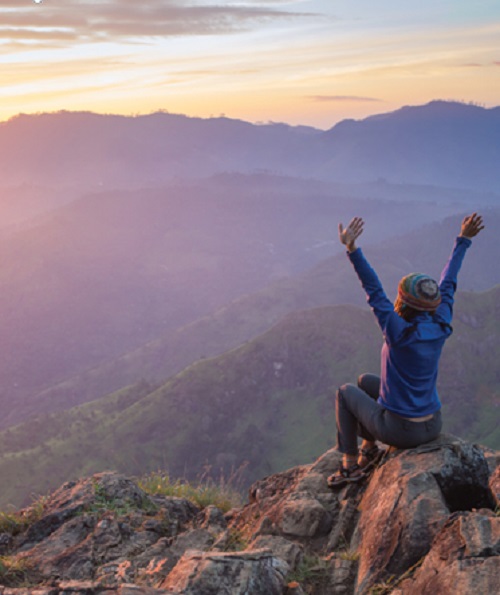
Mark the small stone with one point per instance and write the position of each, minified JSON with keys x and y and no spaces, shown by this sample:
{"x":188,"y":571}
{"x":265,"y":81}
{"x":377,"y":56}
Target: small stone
{"x":305,"y":517}
{"x":292,"y":553}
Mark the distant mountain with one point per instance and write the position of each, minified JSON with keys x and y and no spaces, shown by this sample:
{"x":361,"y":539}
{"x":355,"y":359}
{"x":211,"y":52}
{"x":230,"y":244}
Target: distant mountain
{"x":441,"y":143}
{"x":332,"y":281}
{"x":268,"y":402}
{"x":107,"y":151}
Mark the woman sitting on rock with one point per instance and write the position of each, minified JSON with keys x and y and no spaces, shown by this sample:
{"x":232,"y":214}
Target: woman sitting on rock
{"x":402,"y":407}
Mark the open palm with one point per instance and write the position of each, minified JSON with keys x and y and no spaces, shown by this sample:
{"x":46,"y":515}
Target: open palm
{"x":351,"y":233}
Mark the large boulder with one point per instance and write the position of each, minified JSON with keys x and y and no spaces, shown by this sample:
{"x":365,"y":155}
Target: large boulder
{"x":464,"y":557}
{"x":383,"y":527}
{"x":256,"y":572}
{"x":408,"y":500}
{"x":296,"y":504}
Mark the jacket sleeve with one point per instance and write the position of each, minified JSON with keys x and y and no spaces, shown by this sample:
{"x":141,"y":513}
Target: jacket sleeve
{"x":448,"y":281}
{"x":381,"y":305}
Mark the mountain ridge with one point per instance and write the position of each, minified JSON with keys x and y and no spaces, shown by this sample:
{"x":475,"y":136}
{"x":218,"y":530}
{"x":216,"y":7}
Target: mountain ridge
{"x":413,"y":145}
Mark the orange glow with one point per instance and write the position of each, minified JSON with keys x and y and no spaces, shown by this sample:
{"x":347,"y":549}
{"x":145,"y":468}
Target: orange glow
{"x":301,"y":68}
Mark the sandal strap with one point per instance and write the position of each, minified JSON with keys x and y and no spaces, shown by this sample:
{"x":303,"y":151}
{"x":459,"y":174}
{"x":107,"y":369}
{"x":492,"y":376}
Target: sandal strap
{"x":347,"y":471}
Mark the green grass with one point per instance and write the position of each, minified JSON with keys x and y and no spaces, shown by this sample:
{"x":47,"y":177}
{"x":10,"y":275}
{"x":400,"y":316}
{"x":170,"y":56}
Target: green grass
{"x":312,"y":569}
{"x":203,"y":494}
{"x":12,"y":522}
{"x":15,"y":572}
{"x":351,"y":555}
{"x":382,"y":588}
{"x":17,"y":521}
{"x":236,"y":542}
{"x":386,"y":587}
{"x":102,"y":502}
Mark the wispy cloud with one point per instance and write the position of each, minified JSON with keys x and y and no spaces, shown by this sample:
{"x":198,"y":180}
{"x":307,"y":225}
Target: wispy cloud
{"x":486,"y":64}
{"x":113,"y":20}
{"x":342,"y":98}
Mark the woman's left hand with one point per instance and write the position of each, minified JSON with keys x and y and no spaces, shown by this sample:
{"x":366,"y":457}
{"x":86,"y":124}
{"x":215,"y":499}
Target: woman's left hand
{"x":351,"y":233}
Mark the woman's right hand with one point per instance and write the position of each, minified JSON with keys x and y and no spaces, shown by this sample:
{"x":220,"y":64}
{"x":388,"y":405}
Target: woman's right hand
{"x":351,"y":233}
{"x":471,"y":226}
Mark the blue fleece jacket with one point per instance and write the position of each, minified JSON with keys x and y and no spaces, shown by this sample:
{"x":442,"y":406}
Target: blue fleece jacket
{"x":411,"y":350}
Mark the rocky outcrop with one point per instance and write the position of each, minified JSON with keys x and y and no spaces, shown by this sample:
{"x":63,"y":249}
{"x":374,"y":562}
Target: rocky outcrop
{"x":421,"y":487}
{"x":423,"y":522}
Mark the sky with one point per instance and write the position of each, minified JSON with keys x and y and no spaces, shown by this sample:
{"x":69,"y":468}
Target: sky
{"x":303,"y":62}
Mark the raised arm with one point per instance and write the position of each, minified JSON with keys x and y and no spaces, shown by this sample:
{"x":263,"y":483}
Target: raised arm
{"x":470,"y":227}
{"x":379,"y":302}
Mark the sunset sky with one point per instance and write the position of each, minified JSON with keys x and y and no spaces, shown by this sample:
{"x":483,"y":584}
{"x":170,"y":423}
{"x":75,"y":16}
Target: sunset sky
{"x":301,"y":62}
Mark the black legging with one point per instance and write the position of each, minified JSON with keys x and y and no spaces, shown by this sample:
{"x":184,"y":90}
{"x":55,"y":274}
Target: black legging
{"x":359,"y":414}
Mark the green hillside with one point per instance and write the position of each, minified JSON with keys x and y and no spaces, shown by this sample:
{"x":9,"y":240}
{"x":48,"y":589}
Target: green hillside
{"x":267,"y":403}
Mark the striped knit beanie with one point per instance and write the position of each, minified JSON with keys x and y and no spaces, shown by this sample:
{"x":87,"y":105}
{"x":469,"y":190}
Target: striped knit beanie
{"x":419,"y":292}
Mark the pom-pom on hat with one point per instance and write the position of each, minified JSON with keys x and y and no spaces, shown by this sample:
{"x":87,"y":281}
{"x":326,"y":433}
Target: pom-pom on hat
{"x":420,"y":292}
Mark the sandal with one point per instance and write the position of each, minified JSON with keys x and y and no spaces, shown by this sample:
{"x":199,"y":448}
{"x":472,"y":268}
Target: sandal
{"x":346,"y":475}
{"x":372,"y":456}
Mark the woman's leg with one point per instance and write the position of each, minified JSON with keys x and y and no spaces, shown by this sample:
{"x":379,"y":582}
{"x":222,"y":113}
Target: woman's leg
{"x":355,"y":410}
{"x":356,"y":414}
{"x":359,"y":414}
{"x":370,"y":384}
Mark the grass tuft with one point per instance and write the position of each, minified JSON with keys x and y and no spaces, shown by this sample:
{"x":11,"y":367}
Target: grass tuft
{"x":311,"y":569}
{"x":351,"y":555}
{"x":383,"y":588}
{"x":103,"y":503}
{"x":387,"y":586}
{"x":17,"y":521}
{"x":205,"y":492}
{"x":15,"y":572}
{"x":236,"y":542}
